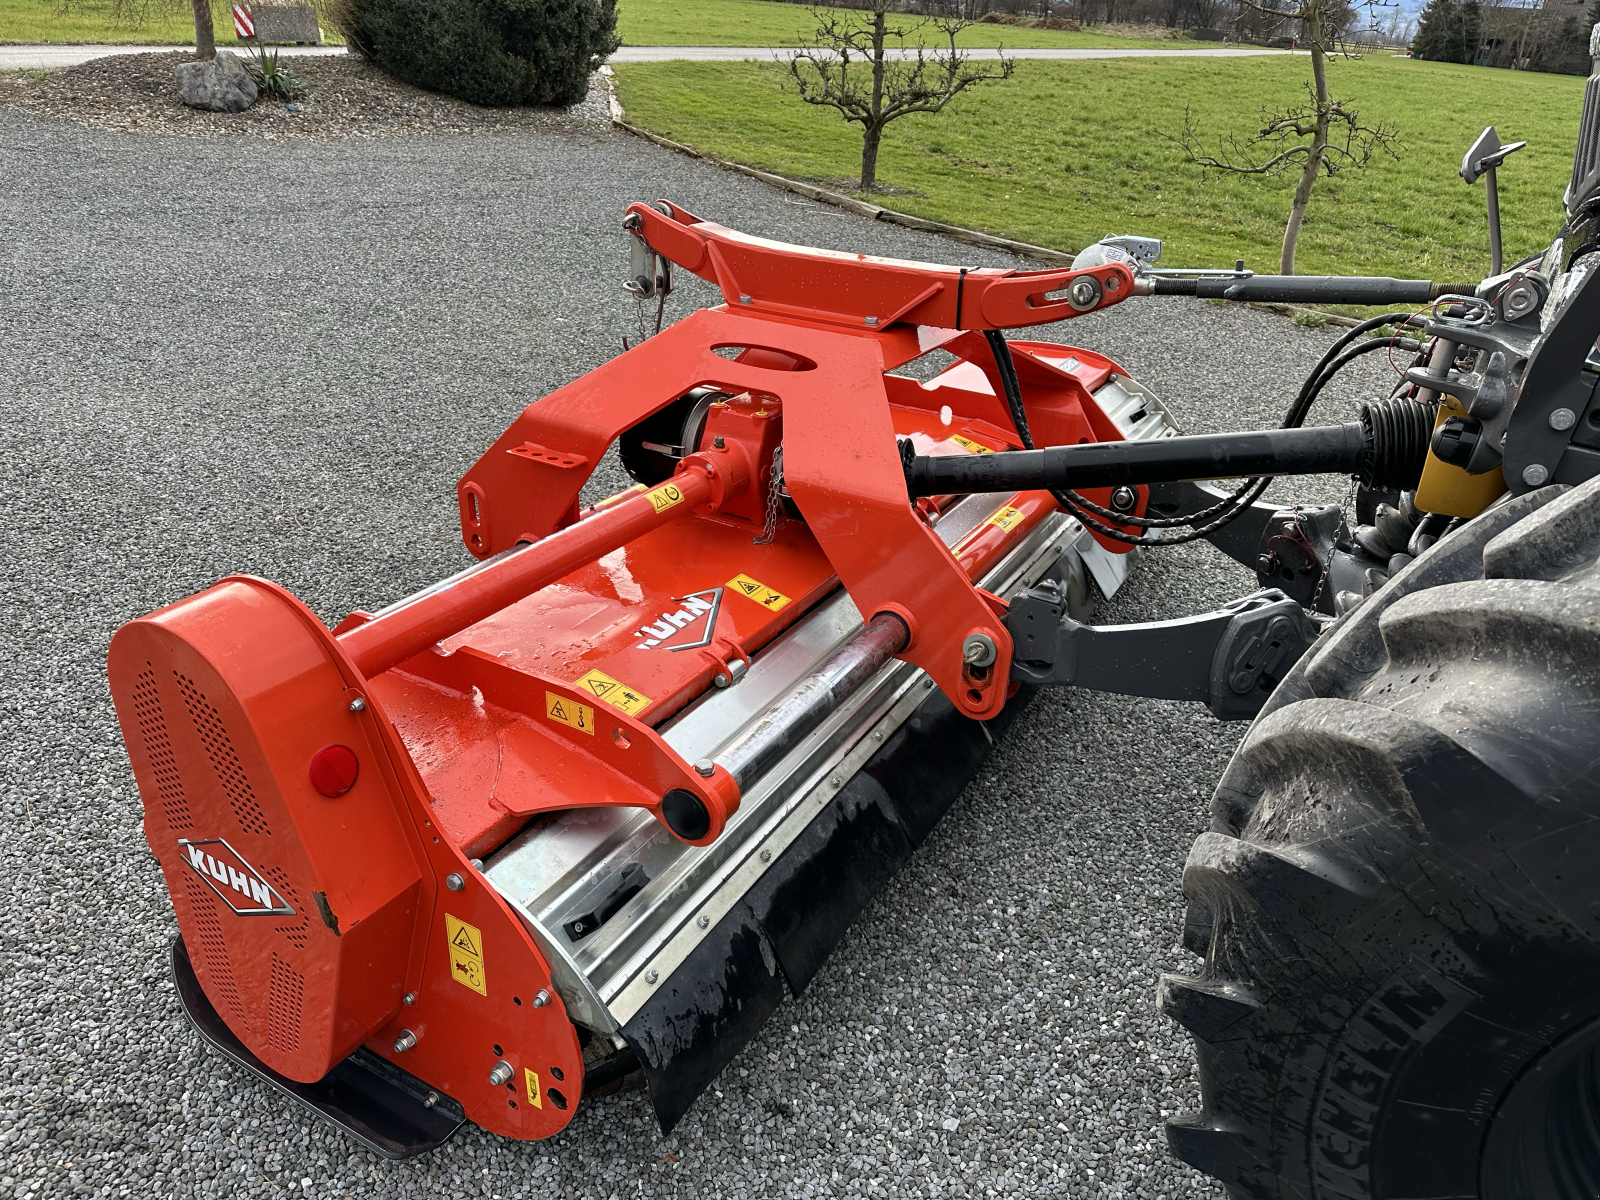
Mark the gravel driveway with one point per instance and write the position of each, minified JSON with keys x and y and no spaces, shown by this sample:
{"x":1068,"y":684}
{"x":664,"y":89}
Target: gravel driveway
{"x":276,"y":357}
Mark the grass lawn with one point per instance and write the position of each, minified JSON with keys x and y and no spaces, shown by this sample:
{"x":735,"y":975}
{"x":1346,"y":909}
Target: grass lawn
{"x":1067,"y":152}
{"x":92,"y":22}
{"x":640,"y":22}
{"x":765,"y":23}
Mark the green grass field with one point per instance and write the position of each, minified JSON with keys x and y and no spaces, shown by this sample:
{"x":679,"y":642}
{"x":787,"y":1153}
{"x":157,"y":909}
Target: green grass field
{"x":640,"y":22}
{"x":1067,"y":152}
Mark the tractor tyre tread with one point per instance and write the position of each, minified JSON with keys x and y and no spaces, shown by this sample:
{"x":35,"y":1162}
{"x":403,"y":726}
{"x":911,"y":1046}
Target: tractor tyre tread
{"x":1395,"y":903}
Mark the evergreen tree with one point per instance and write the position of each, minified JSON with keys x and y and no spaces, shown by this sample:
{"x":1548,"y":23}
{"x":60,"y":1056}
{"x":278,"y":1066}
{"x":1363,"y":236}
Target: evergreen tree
{"x":491,"y":52}
{"x":1434,"y":24}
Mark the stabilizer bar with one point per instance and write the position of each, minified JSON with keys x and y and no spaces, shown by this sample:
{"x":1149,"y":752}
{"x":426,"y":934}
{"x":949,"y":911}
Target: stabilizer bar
{"x":1229,"y":660}
{"x":1317,"y":450}
{"x":1301,"y":289}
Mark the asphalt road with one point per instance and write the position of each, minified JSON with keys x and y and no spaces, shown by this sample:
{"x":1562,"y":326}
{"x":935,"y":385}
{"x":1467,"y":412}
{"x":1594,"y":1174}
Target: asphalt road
{"x":14,"y":58}
{"x":226,"y":355}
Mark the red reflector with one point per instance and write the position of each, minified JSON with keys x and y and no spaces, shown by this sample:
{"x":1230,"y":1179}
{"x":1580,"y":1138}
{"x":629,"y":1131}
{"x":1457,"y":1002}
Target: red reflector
{"x":334,"y":770}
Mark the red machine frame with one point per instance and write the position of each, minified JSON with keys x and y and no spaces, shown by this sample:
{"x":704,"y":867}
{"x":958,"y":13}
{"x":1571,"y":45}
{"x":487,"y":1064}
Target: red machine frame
{"x":805,"y":346}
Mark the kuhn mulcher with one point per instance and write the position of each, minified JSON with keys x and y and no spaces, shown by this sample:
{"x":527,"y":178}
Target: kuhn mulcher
{"x":583,"y":811}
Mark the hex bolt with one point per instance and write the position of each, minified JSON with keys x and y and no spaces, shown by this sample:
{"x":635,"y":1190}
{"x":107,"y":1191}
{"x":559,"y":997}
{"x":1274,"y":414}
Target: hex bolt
{"x":408,"y":999}
{"x":1535,"y":475}
{"x":475,"y":863}
{"x":433,"y":1098}
{"x":501,"y":1074}
{"x":1563,"y":419}
{"x":744,"y":299}
{"x":836,"y":782}
{"x":1124,"y":498}
{"x":978,"y":650}
{"x":406,"y":1041}
{"x":719,"y":443}
{"x":360,"y":705}
{"x":720,"y":681}
{"x":703,"y":921}
{"x":766,"y":855}
{"x":541,"y":999}
{"x":454,"y":882}
{"x":706,"y":767}
{"x":652,"y":975}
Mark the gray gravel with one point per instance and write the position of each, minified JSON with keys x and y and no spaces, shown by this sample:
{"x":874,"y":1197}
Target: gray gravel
{"x":277,"y":358}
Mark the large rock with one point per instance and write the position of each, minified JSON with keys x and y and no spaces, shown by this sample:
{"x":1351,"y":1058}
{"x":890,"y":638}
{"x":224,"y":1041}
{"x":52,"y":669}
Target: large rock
{"x":220,"y":84}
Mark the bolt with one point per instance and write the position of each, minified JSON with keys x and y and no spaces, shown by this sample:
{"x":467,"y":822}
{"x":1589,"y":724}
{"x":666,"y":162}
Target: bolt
{"x":877,"y":735}
{"x":652,"y":975}
{"x":501,"y":1074}
{"x":927,"y":681}
{"x":433,"y":1098}
{"x":744,"y":299}
{"x":1124,"y":498}
{"x":719,"y":442}
{"x":720,"y":681}
{"x":705,"y":767}
{"x":408,"y":999}
{"x":766,"y":855}
{"x":1563,"y":419}
{"x":978,"y":650}
{"x":360,"y":705}
{"x":541,"y":999}
{"x":872,"y":321}
{"x":1084,"y":293}
{"x":475,"y":863}
{"x":454,"y":882}
{"x":703,"y":920}
{"x":836,"y":782}
{"x":1535,"y":475}
{"x":405,"y":1041}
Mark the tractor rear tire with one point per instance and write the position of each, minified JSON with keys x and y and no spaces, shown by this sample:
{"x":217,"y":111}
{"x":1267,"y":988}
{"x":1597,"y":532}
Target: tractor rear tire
{"x":1399,"y":901}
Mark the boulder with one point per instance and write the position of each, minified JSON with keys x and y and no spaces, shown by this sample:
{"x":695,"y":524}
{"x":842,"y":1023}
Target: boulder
{"x":220,"y":84}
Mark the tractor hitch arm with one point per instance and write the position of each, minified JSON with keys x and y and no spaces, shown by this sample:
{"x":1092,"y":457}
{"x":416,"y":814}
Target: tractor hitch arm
{"x":1229,"y":660}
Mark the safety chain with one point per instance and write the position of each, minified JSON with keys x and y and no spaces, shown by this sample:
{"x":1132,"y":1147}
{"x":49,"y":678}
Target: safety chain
{"x":769,"y":528}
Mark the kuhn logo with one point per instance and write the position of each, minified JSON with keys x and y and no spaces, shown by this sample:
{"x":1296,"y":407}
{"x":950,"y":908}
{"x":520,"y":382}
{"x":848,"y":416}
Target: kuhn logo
{"x":238,"y":883}
{"x":691,"y":626}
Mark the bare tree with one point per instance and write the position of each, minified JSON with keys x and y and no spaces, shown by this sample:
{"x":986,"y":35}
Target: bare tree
{"x":135,"y":13}
{"x":1323,"y":136}
{"x":851,"y":67}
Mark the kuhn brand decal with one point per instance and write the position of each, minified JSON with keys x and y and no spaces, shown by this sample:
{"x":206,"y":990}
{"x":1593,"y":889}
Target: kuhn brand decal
{"x":238,"y":883}
{"x":691,"y":626}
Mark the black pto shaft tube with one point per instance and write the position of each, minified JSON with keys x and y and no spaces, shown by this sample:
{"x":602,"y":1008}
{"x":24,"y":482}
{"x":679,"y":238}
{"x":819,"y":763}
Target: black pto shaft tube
{"x":1317,"y":450}
{"x":1305,"y":289}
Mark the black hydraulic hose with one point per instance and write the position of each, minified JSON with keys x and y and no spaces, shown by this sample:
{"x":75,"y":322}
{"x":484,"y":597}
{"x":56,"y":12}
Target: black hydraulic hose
{"x":1297,"y":411}
{"x":1314,"y":450}
{"x":1314,"y":387}
{"x":1306,"y":289}
{"x":1085,"y":510}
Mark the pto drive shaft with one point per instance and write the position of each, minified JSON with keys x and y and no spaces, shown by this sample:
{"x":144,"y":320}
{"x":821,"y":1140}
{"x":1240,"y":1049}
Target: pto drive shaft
{"x":1327,"y":449}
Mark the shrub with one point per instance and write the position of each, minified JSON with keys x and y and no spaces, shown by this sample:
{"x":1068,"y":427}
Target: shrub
{"x":490,"y":52}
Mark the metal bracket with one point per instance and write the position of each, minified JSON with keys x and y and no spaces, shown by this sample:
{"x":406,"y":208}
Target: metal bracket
{"x":1229,"y":660}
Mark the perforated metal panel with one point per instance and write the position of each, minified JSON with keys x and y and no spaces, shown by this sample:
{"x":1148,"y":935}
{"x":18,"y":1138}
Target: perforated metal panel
{"x":297,"y":930}
{"x":284,"y":1007}
{"x":213,"y":952}
{"x":158,"y":749}
{"x":219,"y":749}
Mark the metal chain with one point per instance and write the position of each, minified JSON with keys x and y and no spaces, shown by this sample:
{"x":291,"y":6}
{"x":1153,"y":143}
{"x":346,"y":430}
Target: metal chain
{"x":769,"y":528}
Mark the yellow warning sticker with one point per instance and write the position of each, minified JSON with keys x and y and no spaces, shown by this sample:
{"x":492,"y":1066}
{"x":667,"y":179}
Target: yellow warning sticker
{"x":466,"y":954}
{"x":759,"y":592}
{"x":569,"y":712}
{"x":970,"y":445}
{"x":665,"y":496}
{"x":613,"y":692}
{"x":535,"y":1096}
{"x":1007,"y":518}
